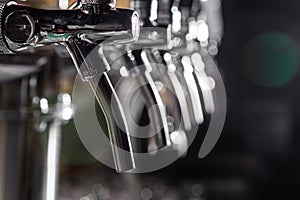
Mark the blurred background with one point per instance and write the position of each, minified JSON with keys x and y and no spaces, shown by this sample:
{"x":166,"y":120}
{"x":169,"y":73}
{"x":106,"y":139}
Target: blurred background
{"x":257,"y":156}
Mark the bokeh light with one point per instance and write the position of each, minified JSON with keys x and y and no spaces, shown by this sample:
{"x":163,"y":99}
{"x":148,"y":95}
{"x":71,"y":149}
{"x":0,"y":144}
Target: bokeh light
{"x":271,"y":59}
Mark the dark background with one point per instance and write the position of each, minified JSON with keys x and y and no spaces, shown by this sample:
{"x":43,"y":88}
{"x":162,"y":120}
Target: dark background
{"x":260,"y":62}
{"x":257,"y":156}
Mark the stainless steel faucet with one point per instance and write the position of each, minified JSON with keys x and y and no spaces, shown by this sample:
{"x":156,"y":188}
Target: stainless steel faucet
{"x":80,"y":30}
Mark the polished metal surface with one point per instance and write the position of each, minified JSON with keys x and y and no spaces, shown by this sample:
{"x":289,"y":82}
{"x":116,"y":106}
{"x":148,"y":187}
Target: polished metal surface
{"x":80,"y":30}
{"x":3,"y":43}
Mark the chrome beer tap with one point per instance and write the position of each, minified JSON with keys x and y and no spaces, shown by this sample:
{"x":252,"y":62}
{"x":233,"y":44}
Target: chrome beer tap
{"x":80,"y":30}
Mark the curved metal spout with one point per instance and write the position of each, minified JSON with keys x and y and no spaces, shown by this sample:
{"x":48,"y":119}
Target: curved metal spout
{"x":117,"y":124}
{"x":151,"y":94}
{"x":80,"y":31}
{"x":107,"y":98}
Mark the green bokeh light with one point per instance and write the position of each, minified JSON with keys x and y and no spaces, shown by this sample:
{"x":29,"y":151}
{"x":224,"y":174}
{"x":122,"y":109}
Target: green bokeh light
{"x":271,"y":59}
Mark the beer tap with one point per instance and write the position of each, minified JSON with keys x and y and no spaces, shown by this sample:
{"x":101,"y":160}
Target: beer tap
{"x":80,"y":29}
{"x":181,"y":54}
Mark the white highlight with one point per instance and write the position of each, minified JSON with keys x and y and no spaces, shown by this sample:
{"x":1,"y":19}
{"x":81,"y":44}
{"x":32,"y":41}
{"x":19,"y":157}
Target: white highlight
{"x":193,"y":90}
{"x":66,"y":99}
{"x":180,"y":141}
{"x":176,"y":25}
{"x":203,"y":31}
{"x":67,"y":113}
{"x":178,"y":91}
{"x":63,"y":4}
{"x":44,"y":105}
{"x":153,"y":12}
{"x":124,"y":71}
{"x":206,"y":84}
{"x":52,"y":160}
